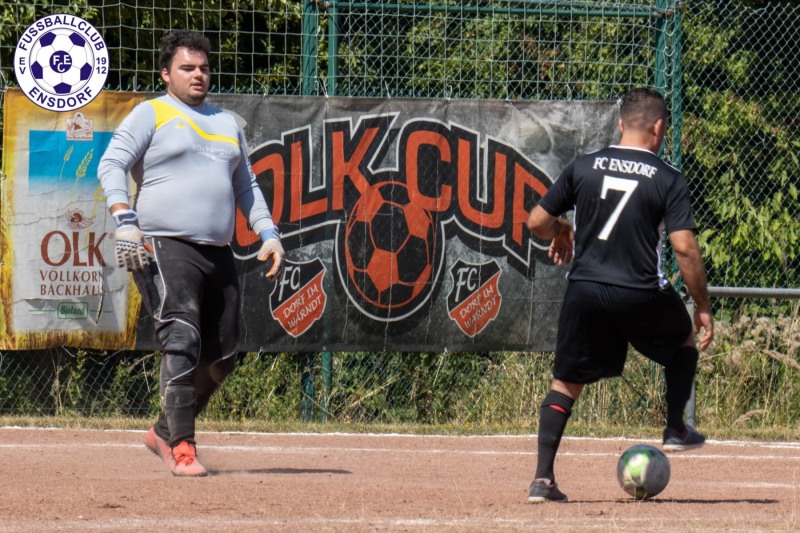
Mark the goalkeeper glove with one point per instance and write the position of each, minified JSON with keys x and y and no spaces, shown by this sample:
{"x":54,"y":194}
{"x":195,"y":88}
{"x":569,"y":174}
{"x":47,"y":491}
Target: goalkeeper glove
{"x":272,"y":249}
{"x":130,"y":248}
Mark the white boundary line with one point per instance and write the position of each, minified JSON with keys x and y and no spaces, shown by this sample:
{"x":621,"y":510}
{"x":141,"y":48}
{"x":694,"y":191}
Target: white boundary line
{"x":424,"y":451}
{"x":559,"y":520}
{"x":531,"y":436}
{"x":301,"y":449}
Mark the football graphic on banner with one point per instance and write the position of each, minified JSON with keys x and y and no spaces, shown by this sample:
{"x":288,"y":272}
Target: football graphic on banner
{"x":389,"y":247}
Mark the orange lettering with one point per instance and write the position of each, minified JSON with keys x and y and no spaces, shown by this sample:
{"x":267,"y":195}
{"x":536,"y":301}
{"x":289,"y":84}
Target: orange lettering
{"x":522,"y":179}
{"x":415,"y":140}
{"x":493,"y":220}
{"x":344,"y":167}
{"x":298,"y":209}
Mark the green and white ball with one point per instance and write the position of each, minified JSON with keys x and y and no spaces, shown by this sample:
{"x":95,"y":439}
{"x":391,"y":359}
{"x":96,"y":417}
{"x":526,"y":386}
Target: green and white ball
{"x":643,"y":471}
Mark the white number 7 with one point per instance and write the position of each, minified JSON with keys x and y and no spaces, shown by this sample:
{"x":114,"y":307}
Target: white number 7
{"x":616,"y":184}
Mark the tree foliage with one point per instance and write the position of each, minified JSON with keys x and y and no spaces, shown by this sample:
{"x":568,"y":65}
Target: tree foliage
{"x":256,"y":43}
{"x":741,"y":89}
{"x":741,"y":141}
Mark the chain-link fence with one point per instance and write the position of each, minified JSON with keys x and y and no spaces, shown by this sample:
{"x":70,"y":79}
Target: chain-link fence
{"x":728,"y":70}
{"x":740,"y":139}
{"x":504,"y":50}
{"x":257,"y":44}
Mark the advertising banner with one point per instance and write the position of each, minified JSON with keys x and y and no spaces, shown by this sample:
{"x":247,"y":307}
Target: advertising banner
{"x":59,"y":285}
{"x":403,"y":221}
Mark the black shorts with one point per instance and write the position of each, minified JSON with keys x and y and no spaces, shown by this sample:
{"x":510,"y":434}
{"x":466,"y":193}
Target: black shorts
{"x":598,"y":321}
{"x":197,"y":285}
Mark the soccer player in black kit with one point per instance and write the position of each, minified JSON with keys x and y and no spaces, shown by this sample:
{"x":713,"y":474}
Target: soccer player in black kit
{"x":624,"y":198}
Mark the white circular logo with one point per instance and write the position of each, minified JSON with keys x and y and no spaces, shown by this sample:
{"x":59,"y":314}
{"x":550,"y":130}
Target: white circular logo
{"x":61,"y":62}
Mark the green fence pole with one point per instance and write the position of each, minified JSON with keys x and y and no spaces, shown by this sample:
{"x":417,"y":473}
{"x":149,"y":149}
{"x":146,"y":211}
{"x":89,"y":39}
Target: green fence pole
{"x":309,"y":47}
{"x":519,"y":7}
{"x":677,"y":89}
{"x":677,"y":156}
{"x":309,"y":51}
{"x":333,"y":70}
{"x":327,"y":380}
{"x":660,"y":67}
{"x":307,"y":386}
{"x":669,"y":49}
{"x":333,"y":47}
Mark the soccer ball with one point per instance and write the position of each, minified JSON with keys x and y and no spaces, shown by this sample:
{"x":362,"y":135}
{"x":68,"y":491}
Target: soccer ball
{"x":643,"y":471}
{"x":389,"y":247}
{"x":61,"y":61}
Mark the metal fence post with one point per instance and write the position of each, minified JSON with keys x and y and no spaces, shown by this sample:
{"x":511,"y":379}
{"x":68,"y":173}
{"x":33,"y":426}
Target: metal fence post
{"x":333,"y":66}
{"x":309,"y":47}
{"x":309,"y":51}
{"x":691,"y":405}
{"x":327,"y":381}
{"x":676,"y":78}
{"x":333,"y":47}
{"x":307,"y":386}
{"x":660,"y":66}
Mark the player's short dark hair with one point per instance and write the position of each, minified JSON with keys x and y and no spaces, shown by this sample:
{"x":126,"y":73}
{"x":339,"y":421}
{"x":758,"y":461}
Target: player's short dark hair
{"x":181,"y":39}
{"x":641,"y":107}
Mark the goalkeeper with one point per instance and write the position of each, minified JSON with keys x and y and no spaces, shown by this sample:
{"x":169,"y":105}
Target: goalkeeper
{"x":190,"y":166}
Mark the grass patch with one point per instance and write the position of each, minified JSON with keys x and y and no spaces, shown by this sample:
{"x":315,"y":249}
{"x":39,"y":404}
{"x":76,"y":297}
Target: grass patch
{"x":748,"y":386}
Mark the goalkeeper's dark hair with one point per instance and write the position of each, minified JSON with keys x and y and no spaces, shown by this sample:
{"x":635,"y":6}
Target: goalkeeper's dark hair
{"x":642,"y":107}
{"x":181,"y":38}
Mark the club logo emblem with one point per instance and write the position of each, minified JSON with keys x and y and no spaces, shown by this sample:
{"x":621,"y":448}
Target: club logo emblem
{"x":61,"y":62}
{"x":475,"y":298}
{"x":298,"y":299}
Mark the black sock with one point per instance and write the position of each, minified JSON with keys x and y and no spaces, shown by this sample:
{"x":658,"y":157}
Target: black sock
{"x":679,"y":375}
{"x":553,"y":417}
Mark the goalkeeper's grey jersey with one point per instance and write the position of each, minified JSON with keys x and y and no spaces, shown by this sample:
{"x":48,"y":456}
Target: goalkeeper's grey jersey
{"x":191,"y":171}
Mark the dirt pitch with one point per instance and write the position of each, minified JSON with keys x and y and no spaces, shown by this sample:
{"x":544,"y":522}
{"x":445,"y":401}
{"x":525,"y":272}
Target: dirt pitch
{"x":88,"y":480}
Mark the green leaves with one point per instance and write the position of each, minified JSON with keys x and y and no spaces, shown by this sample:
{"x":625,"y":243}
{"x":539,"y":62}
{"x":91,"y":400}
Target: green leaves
{"x":741,"y":143}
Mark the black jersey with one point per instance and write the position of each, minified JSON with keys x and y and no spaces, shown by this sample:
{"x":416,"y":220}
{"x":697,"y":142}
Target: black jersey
{"x":624,"y":198}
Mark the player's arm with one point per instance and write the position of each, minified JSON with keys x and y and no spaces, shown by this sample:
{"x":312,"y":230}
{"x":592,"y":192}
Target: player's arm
{"x":690,"y":264}
{"x":251,"y":202}
{"x":546,"y":226}
{"x":544,"y":220}
{"x":127,"y":147}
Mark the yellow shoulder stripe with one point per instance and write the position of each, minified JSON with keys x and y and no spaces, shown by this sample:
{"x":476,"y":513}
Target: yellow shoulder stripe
{"x":166,"y":113}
